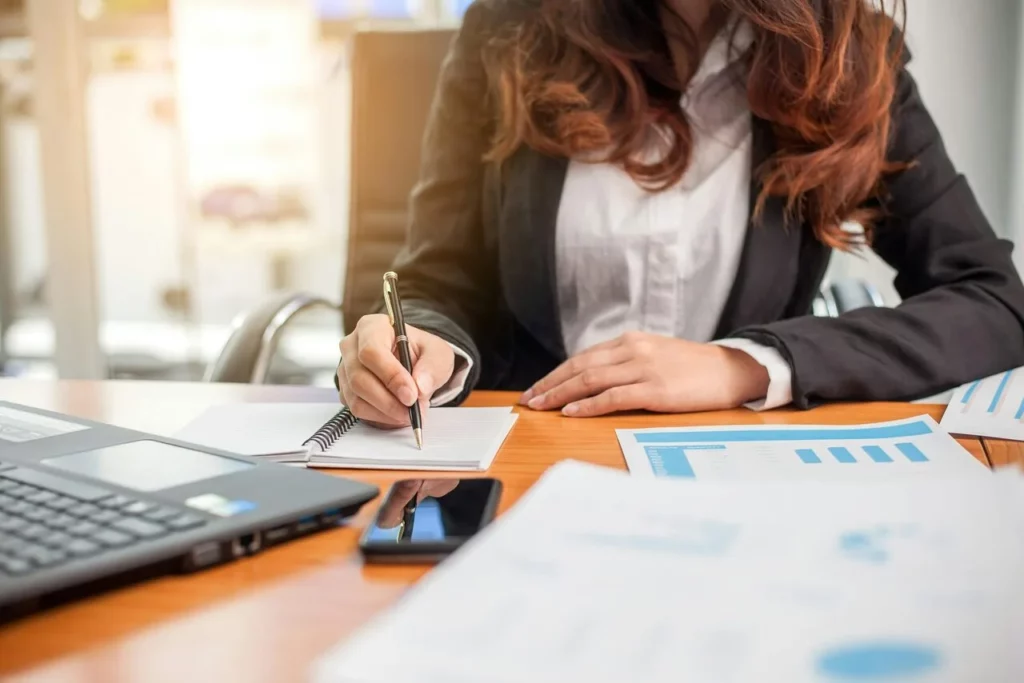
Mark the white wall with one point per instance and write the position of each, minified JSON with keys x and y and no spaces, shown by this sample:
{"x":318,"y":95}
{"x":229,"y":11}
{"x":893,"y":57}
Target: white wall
{"x":966,"y":60}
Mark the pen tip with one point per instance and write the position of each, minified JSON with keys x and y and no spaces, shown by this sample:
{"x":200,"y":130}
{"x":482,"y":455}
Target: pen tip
{"x":419,"y":438}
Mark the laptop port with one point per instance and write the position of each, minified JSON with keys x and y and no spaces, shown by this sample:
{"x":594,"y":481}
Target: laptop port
{"x":277,"y":534}
{"x":246,"y":544}
{"x":306,"y":524}
{"x":330,"y":517}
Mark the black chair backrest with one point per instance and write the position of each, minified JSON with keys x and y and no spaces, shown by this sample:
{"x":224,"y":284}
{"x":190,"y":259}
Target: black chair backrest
{"x":394,"y":74}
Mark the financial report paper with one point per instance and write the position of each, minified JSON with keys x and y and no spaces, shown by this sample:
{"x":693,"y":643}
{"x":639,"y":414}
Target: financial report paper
{"x":993,"y":406}
{"x":597,"y":576}
{"x":915,"y":447}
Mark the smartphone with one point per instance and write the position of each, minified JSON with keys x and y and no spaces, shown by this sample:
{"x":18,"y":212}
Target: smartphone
{"x":425,"y":520}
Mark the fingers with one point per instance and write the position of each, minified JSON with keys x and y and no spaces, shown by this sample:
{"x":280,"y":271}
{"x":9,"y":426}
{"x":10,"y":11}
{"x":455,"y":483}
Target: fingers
{"x":589,"y":382}
{"x":375,"y":341}
{"x":434,"y":363}
{"x":403,"y":492}
{"x":588,"y":360}
{"x":629,"y":397}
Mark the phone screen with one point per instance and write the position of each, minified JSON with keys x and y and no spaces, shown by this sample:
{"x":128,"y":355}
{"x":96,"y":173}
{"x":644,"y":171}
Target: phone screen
{"x":433,"y":511}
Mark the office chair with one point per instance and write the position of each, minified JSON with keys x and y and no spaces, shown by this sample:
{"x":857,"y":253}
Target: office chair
{"x":394,"y":74}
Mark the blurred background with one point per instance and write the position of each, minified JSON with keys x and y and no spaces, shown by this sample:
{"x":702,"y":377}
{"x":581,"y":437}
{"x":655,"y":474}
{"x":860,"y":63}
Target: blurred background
{"x":166,"y":165}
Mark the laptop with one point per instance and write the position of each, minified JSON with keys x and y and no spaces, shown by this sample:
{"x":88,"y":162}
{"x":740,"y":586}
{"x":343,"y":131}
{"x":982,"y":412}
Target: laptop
{"x":86,"y":506}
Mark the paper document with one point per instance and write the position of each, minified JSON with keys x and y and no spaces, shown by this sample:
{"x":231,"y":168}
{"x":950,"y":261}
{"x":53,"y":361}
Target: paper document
{"x":905,"y":448}
{"x":993,"y":407}
{"x":454,"y":438}
{"x":596,"y":576}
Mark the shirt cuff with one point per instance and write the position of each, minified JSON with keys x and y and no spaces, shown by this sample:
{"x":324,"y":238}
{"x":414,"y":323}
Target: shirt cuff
{"x":454,"y":386}
{"x":780,"y":375}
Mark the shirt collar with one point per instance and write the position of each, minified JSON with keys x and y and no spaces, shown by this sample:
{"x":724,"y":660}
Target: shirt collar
{"x":725,"y":50}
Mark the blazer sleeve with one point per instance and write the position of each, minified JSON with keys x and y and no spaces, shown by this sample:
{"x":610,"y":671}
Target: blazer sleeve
{"x":962,"y":315}
{"x":447,"y":274}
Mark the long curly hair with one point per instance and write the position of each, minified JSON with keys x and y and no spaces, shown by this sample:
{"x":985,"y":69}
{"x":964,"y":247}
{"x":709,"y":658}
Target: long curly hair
{"x":590,"y":78}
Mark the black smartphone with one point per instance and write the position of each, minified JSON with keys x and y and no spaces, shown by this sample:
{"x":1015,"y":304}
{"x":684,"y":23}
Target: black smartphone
{"x":425,"y":520}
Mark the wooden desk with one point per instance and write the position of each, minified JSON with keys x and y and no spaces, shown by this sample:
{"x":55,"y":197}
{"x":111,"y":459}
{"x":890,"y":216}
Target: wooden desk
{"x":266,"y":617}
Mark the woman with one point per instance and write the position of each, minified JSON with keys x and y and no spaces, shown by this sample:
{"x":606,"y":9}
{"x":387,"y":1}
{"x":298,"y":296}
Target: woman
{"x":611,"y":185}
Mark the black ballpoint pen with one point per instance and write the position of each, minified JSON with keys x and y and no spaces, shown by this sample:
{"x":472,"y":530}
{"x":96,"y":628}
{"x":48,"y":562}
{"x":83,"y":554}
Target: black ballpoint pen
{"x":394,"y":305}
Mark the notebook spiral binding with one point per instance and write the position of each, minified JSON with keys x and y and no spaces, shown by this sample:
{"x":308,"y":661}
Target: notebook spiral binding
{"x":333,"y":430}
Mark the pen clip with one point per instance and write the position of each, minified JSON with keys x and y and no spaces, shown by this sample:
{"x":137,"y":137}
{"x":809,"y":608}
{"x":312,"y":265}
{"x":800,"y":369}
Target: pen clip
{"x":387,"y":301}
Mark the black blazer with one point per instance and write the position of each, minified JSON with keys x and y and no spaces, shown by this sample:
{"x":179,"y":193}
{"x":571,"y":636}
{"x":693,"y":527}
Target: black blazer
{"x":478,"y":268}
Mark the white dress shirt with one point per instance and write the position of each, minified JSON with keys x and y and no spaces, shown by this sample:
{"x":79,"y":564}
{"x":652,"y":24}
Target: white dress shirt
{"x":663,"y":262}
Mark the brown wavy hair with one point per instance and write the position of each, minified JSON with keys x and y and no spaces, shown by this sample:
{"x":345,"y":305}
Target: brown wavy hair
{"x":589,"y":79}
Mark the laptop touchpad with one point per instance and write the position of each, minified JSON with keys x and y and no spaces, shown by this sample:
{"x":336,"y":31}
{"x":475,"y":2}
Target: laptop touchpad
{"x":148,"y":465}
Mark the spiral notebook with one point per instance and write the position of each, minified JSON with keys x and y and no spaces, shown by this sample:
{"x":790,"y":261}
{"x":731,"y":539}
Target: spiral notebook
{"x":321,"y":435}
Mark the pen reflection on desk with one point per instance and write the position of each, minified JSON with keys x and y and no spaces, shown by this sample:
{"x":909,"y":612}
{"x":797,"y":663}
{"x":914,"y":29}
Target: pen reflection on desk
{"x":393,"y":303}
{"x":408,"y":518}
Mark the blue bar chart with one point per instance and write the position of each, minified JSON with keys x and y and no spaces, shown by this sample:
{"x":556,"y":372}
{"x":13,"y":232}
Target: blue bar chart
{"x":914,"y":447}
{"x":993,"y":406}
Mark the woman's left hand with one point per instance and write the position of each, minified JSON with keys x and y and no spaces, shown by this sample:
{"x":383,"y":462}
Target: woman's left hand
{"x":640,"y":371}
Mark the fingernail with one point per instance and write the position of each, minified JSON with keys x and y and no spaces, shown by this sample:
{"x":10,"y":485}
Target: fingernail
{"x":425,"y":384}
{"x":407,"y":396}
{"x":525,"y":398}
{"x":536,"y":402}
{"x":570,"y":409}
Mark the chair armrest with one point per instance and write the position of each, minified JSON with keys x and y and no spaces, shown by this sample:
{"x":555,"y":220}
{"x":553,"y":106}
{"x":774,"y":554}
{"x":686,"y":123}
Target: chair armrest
{"x":249,"y":350}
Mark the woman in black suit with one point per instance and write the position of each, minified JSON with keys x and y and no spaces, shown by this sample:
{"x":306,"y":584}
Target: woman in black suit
{"x":630,"y":204}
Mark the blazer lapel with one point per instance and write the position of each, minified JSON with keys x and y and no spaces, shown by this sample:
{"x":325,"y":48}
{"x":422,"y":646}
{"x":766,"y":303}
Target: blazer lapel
{"x":532,"y":190}
{"x":769,"y":262}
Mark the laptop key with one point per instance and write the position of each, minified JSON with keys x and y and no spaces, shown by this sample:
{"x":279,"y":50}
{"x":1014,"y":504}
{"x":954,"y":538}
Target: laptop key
{"x":11,"y":523}
{"x":161,"y":514}
{"x":60,"y":521}
{"x":6,"y":500}
{"x":7,"y":484}
{"x":83,"y":528}
{"x":111,"y":538}
{"x":44,"y":557}
{"x":33,"y":532}
{"x":60,"y":485}
{"x":6,"y":466}
{"x":139,"y":527}
{"x":56,"y":539}
{"x":138,"y":507}
{"x":12,"y":544}
{"x":18,"y":507}
{"x":41,"y":497}
{"x":83,"y":510}
{"x":62,"y":503}
{"x":14,"y":566}
{"x":115,"y":502}
{"x":185,"y":521}
{"x":79,"y":547}
{"x":36,"y":514}
{"x":22,"y":491}
{"x":104,"y":517}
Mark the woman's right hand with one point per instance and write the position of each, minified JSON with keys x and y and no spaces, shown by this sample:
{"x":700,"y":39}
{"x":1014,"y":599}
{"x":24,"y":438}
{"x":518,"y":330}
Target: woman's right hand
{"x":373,"y":383}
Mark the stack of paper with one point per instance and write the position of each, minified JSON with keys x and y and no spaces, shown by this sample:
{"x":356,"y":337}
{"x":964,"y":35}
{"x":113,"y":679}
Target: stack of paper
{"x":598,"y":576}
{"x":993,"y":407}
{"x":914,"y":448}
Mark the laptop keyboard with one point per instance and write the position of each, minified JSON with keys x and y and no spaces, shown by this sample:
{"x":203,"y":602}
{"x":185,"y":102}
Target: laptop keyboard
{"x":46,"y":521}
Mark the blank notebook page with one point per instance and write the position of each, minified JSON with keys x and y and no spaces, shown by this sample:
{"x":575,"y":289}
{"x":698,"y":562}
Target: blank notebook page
{"x":453,"y":438}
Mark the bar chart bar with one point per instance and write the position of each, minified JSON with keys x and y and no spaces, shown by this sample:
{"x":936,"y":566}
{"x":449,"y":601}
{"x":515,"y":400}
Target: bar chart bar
{"x":842,"y":455}
{"x":877,"y":453}
{"x":670,"y":461}
{"x":997,"y":400}
{"x":808,"y":456}
{"x":972,"y":389}
{"x":912,"y":452}
{"x":1020,"y":411}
